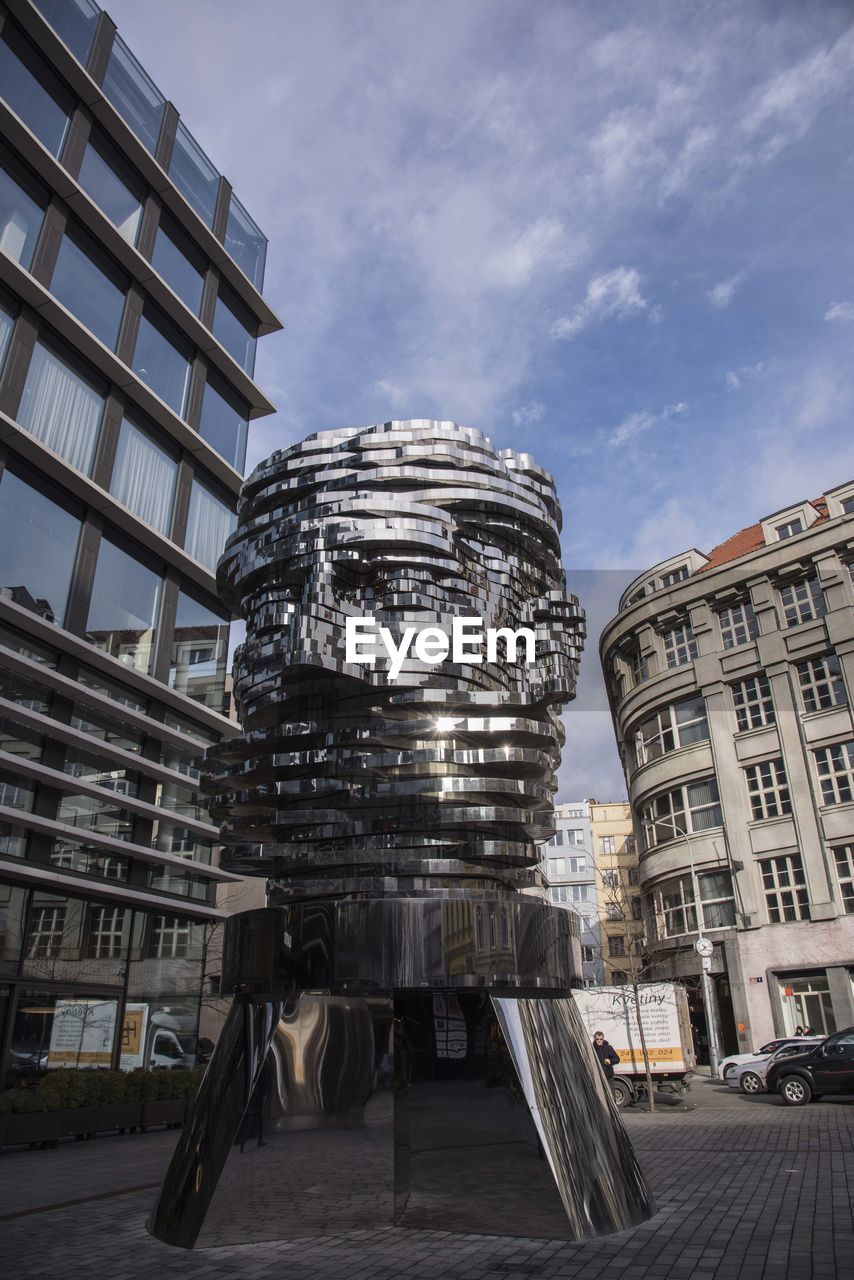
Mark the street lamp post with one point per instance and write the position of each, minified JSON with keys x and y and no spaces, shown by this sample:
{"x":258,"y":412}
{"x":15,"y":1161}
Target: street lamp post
{"x":704,"y":948}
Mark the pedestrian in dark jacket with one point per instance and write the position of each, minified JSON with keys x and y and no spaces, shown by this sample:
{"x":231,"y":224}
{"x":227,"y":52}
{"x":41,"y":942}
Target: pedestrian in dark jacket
{"x":606,"y":1053}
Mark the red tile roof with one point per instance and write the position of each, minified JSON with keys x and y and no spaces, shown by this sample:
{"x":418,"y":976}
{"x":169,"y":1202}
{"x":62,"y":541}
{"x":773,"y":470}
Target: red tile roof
{"x":751,"y":539}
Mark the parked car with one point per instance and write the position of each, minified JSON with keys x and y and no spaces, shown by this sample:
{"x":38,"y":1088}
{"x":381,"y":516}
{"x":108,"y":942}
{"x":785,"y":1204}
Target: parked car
{"x":736,"y":1059}
{"x":749,"y":1077}
{"x":826,"y":1068}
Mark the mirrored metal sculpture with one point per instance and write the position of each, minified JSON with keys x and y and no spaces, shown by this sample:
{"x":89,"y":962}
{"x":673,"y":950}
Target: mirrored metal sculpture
{"x":402,"y":1047}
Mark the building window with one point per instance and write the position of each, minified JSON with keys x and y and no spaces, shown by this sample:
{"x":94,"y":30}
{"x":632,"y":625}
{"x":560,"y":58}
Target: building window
{"x":45,"y":933}
{"x":134,"y":95}
{"x":209,"y":524}
{"x":573,"y":813}
{"x":679,"y":646}
{"x":89,"y":287}
{"x":75,"y":23}
{"x":836,"y":772}
{"x":641,"y":667}
{"x":21,"y":214}
{"x":7,"y":324}
{"x":234,"y":327}
{"x":225,"y":422}
{"x":616,"y":945}
{"x":105,"y":938}
{"x":179,"y":263}
{"x":478,"y":927}
{"x":802,"y":602}
{"x":790,"y":528}
{"x":675,"y":575}
{"x":754,"y":706}
{"x":575,"y":836}
{"x":588,"y":954}
{"x":199,"y":652}
{"x":675,"y":906}
{"x":618,"y":978}
{"x":843,"y":855}
{"x":32,"y":90}
{"x":634,"y":874}
{"x":38,"y":547}
{"x":847,"y":505}
{"x":123,"y":612}
{"x":116,"y":192}
{"x":557,"y":866}
{"x":694,"y":807}
{"x":99,"y":772}
{"x":194,"y":175}
{"x":105,"y":817}
{"x":821,"y":682}
{"x":607,"y":844}
{"x":768,"y":789}
{"x":245,"y":243}
{"x":576,"y":866}
{"x":169,"y":938}
{"x":717,"y":899}
{"x":162,"y":359}
{"x":72,"y":855}
{"x":610,"y":879}
{"x":62,"y":408}
{"x":785,"y":889}
{"x":144,"y":477}
{"x":613,"y":911}
{"x":679,"y":725}
{"x":738,"y":625}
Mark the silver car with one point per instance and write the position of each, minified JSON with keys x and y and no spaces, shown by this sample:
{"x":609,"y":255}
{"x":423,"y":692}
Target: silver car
{"x":749,"y":1077}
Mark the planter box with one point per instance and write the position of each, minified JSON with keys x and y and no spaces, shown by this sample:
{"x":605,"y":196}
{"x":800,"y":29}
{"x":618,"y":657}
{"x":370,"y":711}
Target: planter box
{"x":122,"y":1115}
{"x":40,"y":1126}
{"x":116,"y":1115}
{"x":78,"y":1120}
{"x":163,"y":1112}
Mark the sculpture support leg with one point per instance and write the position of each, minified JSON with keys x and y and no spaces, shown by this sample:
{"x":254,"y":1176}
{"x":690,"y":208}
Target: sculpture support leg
{"x":591,"y":1158}
{"x":213,"y":1121}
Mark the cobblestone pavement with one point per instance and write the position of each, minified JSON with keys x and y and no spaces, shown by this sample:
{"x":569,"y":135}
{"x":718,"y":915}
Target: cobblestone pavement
{"x":746,"y":1190}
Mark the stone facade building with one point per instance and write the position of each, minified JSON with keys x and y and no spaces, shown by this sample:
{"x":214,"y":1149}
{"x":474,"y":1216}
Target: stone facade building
{"x":568,"y":866}
{"x":730,"y":677}
{"x":618,"y":887}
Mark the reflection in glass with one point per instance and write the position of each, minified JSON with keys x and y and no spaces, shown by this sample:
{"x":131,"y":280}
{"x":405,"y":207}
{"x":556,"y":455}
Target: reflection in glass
{"x":90,"y":290}
{"x":75,"y":855}
{"x":182,"y":842}
{"x":162,"y":359}
{"x":18,"y":739}
{"x":12,"y":902}
{"x":13,"y":844}
{"x":225,"y":421}
{"x":32,"y":90}
{"x":38,"y":545}
{"x":193,"y":174}
{"x":20,"y":219}
{"x":99,"y":725}
{"x":109,"y":688}
{"x":178,"y":263}
{"x":123,"y":613}
{"x":101,"y":178}
{"x":134,"y":95}
{"x":7,"y":323}
{"x":19,"y":643}
{"x":18,"y":795}
{"x":208,"y":525}
{"x":50,"y":1031}
{"x":199,"y":652}
{"x":234,"y":327}
{"x":80,"y":763}
{"x":101,"y":816}
{"x":143,"y":477}
{"x":26,"y":693}
{"x":245,"y":243}
{"x":185,"y":883}
{"x":74,"y":21}
{"x":61,"y":408}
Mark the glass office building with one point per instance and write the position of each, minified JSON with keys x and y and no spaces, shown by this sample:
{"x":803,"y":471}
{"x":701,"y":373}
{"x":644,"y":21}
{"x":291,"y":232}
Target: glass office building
{"x":130,"y":306}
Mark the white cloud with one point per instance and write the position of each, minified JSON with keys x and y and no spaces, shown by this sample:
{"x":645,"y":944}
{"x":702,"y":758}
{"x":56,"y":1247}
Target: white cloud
{"x":637,"y":423}
{"x":527,"y":414}
{"x":736,"y":378}
{"x":840,"y":312}
{"x":614,"y":295}
{"x":390,"y":391}
{"x":543,"y":243}
{"x":722,"y":294}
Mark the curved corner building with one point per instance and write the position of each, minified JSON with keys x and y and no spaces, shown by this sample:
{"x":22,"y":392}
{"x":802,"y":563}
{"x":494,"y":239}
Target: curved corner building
{"x":401,"y":998}
{"x":730,"y":677}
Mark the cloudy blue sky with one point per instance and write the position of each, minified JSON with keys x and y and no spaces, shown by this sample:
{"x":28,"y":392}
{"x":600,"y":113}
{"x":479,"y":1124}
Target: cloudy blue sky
{"x":617,"y":235}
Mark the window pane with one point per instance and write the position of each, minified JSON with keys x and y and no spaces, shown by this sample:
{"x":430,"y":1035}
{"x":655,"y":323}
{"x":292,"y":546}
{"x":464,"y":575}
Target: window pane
{"x":84,"y":287}
{"x":208,"y":526}
{"x":123,"y":613}
{"x":32,"y":90}
{"x":61,"y":408}
{"x":235,"y":329}
{"x":11,"y":929}
{"x":74,"y":21}
{"x":162,"y":359}
{"x":144,"y":477}
{"x":20,"y":219}
{"x":194,"y":175}
{"x":178,"y":264}
{"x":38,"y":544}
{"x":134,"y":95}
{"x":224,"y":422}
{"x":7,"y":323}
{"x":199,"y":652}
{"x":245,"y":243}
{"x":101,"y":178}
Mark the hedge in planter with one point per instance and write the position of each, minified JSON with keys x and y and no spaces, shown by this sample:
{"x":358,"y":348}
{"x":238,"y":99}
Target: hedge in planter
{"x":68,"y":1090}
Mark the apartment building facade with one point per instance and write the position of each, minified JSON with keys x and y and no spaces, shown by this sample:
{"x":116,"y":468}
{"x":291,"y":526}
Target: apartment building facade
{"x":615,"y":857}
{"x":130,"y":308}
{"x":570,"y":875}
{"x":730,"y":677}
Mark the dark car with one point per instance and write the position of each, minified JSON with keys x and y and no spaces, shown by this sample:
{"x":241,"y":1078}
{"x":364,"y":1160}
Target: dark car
{"x":828,"y":1068}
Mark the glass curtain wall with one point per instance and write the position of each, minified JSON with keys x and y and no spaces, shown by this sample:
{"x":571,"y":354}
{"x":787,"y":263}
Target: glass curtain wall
{"x":62,"y":408}
{"x":143,"y":477}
